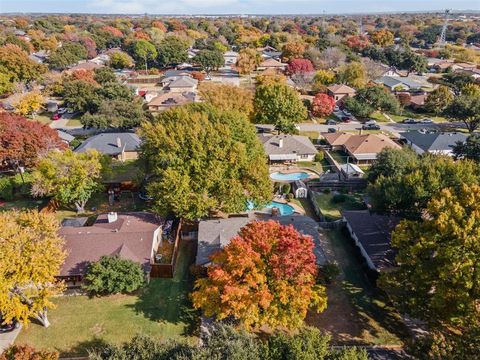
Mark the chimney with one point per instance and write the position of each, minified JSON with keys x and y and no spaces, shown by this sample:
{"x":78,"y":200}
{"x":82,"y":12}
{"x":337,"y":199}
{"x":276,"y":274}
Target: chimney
{"x":112,"y":217}
{"x":280,"y":143}
{"x":119,"y":142}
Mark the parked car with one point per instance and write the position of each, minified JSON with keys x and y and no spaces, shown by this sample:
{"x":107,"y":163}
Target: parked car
{"x":331,"y":122}
{"x":346,"y":119}
{"x":370,"y":127}
{"x":5,"y":328}
{"x":62,"y":110}
{"x":336,"y":108}
{"x":427,"y":121}
{"x":56,"y":116}
{"x":332,"y":130}
{"x":370,"y":122}
{"x":409,"y":121}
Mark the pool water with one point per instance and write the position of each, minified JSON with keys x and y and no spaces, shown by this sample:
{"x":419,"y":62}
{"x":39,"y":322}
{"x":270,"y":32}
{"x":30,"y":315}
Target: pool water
{"x":289,"y":177}
{"x":285,"y":209}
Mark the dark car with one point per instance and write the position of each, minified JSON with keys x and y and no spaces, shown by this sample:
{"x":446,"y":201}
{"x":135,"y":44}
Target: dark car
{"x":347,"y":119}
{"x":5,"y":328}
{"x":332,"y":130}
{"x":371,"y":127}
{"x":331,"y":122}
{"x":409,"y":121}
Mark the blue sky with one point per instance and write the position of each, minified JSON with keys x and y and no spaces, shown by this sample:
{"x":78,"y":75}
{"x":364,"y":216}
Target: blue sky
{"x":231,"y":6}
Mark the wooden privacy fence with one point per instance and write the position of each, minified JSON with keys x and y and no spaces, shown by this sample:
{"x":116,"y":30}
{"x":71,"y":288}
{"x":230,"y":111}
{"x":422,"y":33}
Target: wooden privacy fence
{"x":168,"y":270}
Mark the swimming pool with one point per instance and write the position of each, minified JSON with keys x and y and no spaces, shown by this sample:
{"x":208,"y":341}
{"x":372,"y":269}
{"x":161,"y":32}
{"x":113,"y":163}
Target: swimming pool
{"x":285,"y":209}
{"x":290,"y":176}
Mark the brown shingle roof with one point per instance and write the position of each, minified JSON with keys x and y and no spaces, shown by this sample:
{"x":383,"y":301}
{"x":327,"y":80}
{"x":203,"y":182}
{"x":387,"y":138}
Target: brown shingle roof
{"x":369,"y":144}
{"x":130,"y":237}
{"x":336,"y":139}
{"x":341,"y":89}
{"x":272,"y":63}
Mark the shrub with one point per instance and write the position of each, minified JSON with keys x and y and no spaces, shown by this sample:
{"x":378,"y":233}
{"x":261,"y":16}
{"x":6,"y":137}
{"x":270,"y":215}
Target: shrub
{"x":111,"y":275}
{"x":6,"y":188}
{"x":26,"y":352}
{"x":328,"y":273}
{"x":319,"y":156}
{"x":286,"y":188}
{"x":339,"y":198}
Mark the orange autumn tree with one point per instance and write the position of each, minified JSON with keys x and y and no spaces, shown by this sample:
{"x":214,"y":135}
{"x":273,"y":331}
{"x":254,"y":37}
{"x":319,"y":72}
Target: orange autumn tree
{"x":265,"y":276}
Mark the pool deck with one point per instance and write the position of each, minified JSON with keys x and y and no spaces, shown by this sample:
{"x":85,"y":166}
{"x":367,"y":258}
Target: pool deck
{"x":298,"y":209}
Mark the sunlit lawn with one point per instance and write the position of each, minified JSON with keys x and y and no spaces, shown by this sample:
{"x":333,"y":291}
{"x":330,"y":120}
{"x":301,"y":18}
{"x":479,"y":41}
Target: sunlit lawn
{"x":332,"y":210}
{"x":162,"y":310}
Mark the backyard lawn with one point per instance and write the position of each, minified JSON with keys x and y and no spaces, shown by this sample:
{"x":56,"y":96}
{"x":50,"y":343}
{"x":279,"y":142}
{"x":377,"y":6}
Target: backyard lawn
{"x":24,"y":203}
{"x":162,"y":310}
{"x":331,"y":210}
{"x":356,"y":312}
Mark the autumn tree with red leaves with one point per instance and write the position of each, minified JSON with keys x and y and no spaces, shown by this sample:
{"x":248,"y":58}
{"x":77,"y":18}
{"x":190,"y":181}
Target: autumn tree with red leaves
{"x":357,"y":42}
{"x":300,"y":66}
{"x":21,"y":140}
{"x":265,"y":276}
{"x":322,"y":105}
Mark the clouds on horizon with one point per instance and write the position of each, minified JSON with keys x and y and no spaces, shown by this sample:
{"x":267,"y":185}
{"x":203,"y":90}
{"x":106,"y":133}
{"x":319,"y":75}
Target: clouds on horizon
{"x":230,"y":6}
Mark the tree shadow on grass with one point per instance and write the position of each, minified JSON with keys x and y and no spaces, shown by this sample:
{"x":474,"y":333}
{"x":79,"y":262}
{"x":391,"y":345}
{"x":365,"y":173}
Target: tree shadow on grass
{"x":83,"y":348}
{"x":168,"y":300}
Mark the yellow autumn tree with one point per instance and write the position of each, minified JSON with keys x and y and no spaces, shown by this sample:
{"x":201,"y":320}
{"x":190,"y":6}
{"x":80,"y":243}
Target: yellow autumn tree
{"x":248,"y":60}
{"x":31,"y":253}
{"x":29,"y":104}
{"x":227,"y":97}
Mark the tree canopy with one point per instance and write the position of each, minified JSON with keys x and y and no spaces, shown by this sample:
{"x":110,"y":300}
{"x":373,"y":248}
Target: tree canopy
{"x":407,"y":189}
{"x":465,"y":108}
{"x":264,"y":276}
{"x":470,"y":149}
{"x":66,"y":55}
{"x":439,"y":259}
{"x":68,"y":177}
{"x":172,"y":51}
{"x":280,"y":105}
{"x":27,"y":277}
{"x":22,"y":141}
{"x":227,"y":97}
{"x":203,"y":159}
{"x":209,"y":60}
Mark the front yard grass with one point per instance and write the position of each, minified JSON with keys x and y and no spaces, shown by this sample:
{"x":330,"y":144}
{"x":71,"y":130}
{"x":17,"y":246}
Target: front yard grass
{"x":357,"y":312}
{"x":332,"y":210}
{"x":162,"y":310}
{"x":378,"y":116}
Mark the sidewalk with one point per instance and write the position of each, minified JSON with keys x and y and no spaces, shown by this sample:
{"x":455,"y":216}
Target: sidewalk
{"x":7,"y":339}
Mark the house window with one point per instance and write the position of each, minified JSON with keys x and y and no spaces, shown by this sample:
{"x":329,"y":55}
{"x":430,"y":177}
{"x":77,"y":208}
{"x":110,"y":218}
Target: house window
{"x":304,"y":156}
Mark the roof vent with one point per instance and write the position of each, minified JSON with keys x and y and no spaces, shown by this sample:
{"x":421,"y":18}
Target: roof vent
{"x":280,"y":143}
{"x":111,"y":217}
{"x":119,"y":142}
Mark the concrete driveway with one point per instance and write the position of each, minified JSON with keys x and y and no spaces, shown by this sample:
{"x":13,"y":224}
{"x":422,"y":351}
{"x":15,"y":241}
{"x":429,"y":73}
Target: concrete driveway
{"x":7,"y":339}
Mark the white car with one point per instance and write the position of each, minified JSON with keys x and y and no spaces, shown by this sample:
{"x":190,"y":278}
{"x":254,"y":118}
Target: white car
{"x":62,"y":110}
{"x":427,"y":121}
{"x":371,"y":122}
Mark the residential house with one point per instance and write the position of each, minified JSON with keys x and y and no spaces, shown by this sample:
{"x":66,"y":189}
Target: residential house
{"x":84,"y":65}
{"x":464,"y":66}
{"x":418,"y":101}
{"x":288,"y":148}
{"x":214,"y":235}
{"x":39,"y":57}
{"x":391,"y":71}
{"x":269,"y":52}
{"x":230,"y":57}
{"x":65,"y":137}
{"x":181,"y":83}
{"x":396,"y":83}
{"x":170,"y":99}
{"x":121,"y":146}
{"x":360,"y":149}
{"x":340,"y":92}
{"x":272,"y":64}
{"x":133,"y":236}
{"x":433,"y":142}
{"x":372,"y":233}
{"x":474,"y":73}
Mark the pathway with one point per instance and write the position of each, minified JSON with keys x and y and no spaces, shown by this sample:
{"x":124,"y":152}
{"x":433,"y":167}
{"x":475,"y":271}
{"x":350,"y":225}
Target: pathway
{"x":7,"y":339}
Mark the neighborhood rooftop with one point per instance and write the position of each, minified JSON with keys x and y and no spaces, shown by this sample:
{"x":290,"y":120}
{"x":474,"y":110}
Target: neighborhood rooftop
{"x":111,"y":143}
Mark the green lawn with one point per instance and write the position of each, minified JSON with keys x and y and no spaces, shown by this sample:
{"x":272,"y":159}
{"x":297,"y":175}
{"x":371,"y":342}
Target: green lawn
{"x":339,"y":156}
{"x":162,"y":310}
{"x":380,"y":324}
{"x":313,"y":135}
{"x":311,"y":164}
{"x":412,"y":115}
{"x":23,"y":203}
{"x":331,"y":210}
{"x":129,"y":170}
{"x":378,"y":116}
{"x":44,"y":118}
{"x":74,"y":123}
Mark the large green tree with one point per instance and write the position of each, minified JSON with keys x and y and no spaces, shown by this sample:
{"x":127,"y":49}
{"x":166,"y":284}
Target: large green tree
{"x":370,"y":99}
{"x":209,"y":60}
{"x":66,"y":55}
{"x":68,"y":177}
{"x":204,"y":160}
{"x":408,"y":189}
{"x":122,"y":114}
{"x":280,"y":105}
{"x":172,"y":51}
{"x":438,"y":277}
{"x":465,"y":108}
{"x":143,"y":52}
{"x":470,"y":149}
{"x":439,"y":99}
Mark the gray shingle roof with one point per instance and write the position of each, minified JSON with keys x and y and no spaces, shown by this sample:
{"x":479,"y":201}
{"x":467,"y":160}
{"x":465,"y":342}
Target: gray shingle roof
{"x":213,"y":235}
{"x":107,"y":143}
{"x":374,"y":231}
{"x":292,"y":144}
{"x":392,"y":81}
{"x":183,"y":82}
{"x":434,"y":141}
